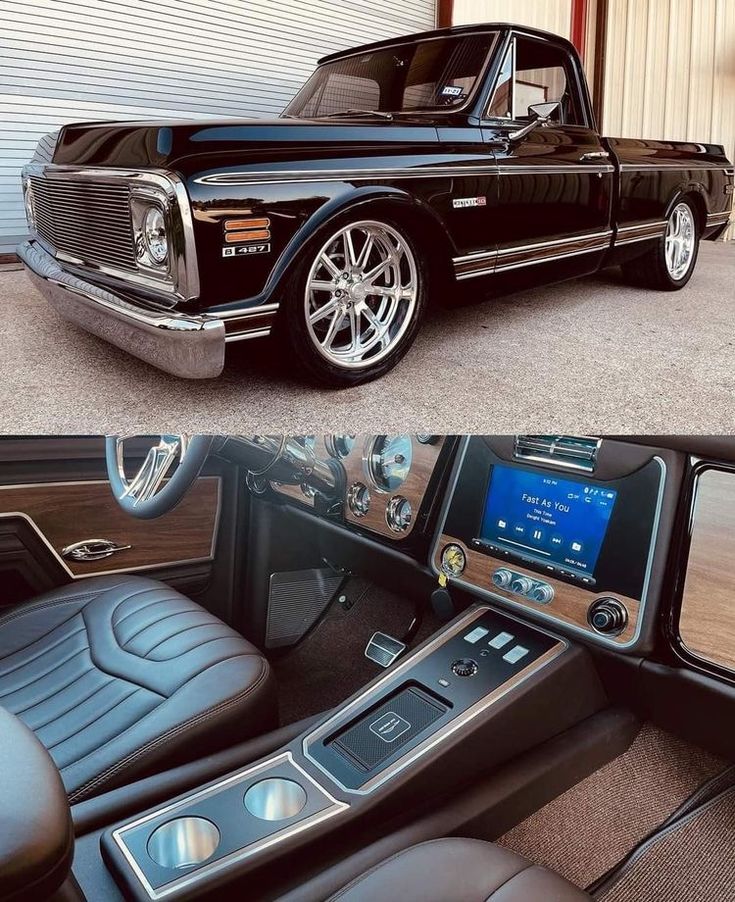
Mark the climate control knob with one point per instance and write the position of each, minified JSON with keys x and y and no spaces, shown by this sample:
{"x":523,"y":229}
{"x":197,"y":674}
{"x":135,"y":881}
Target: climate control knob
{"x":502,"y":578}
{"x":465,"y":667}
{"x":521,"y":585}
{"x":542,"y":593}
{"x":607,"y":616}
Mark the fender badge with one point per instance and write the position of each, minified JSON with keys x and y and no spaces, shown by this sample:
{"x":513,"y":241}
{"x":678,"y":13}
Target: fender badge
{"x":245,"y":250}
{"x":459,"y":202}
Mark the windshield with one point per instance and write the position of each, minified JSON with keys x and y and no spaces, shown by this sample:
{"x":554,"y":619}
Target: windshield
{"x":437,"y":73}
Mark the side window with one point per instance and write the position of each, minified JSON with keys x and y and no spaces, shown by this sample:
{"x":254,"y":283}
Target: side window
{"x":536,"y":72}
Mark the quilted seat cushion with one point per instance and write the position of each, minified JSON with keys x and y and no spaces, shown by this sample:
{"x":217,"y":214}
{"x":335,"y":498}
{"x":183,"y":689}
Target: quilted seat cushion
{"x":118,"y":673}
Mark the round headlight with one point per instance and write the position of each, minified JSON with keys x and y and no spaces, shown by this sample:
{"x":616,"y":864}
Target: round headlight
{"x":154,"y":232}
{"x":30,"y":206}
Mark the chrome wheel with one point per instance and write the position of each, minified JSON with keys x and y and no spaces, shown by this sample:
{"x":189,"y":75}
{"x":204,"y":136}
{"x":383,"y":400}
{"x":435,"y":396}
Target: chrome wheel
{"x":361,"y":294}
{"x":681,"y":237}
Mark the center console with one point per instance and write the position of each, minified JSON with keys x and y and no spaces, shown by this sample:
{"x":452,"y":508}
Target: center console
{"x":488,"y":680}
{"x":568,"y":537}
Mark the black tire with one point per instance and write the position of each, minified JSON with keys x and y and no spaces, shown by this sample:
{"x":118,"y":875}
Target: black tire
{"x":651,"y":271}
{"x":292,"y":326}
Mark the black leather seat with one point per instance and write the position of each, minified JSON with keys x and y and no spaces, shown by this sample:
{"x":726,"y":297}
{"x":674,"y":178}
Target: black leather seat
{"x":118,"y":674}
{"x":459,"y":870}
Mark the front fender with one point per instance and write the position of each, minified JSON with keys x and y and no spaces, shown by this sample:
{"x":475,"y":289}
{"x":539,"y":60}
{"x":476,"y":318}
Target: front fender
{"x":352,"y":199}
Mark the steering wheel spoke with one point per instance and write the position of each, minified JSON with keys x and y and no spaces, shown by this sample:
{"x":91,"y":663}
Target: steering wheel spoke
{"x":170,"y":466}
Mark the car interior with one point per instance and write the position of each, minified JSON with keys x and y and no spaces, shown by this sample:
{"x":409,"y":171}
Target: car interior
{"x":425,"y":667}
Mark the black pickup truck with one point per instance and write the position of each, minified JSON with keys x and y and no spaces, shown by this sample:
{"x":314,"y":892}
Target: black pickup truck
{"x":399,"y":169}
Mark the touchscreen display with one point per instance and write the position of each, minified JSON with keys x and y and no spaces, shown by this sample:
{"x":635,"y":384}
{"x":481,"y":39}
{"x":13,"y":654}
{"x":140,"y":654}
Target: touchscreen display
{"x":551,"y":520}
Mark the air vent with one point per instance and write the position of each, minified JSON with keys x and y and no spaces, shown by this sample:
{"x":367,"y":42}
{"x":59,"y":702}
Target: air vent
{"x":576,"y":452}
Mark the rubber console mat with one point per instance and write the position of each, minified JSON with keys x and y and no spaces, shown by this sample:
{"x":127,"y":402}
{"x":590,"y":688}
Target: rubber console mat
{"x":692,"y":860}
{"x":597,"y":823}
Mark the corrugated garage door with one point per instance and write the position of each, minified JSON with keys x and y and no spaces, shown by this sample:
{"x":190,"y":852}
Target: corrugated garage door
{"x":75,"y":60}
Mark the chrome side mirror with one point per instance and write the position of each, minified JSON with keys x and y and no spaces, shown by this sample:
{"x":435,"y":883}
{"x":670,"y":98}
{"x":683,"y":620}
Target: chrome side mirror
{"x":542,"y":113}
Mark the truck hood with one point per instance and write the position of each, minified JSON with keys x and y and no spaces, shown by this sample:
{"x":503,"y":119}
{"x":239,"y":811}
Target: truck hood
{"x":179,"y":144}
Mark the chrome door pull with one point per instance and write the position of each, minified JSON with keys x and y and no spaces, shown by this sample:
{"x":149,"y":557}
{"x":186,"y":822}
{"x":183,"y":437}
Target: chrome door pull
{"x":594,"y":155}
{"x":92,"y":549}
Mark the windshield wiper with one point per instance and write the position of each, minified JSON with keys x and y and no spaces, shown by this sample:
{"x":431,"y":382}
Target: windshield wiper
{"x":379,"y":113}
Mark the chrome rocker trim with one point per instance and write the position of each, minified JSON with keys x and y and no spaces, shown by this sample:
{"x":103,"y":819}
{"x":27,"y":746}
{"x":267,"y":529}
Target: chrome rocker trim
{"x":184,"y":345}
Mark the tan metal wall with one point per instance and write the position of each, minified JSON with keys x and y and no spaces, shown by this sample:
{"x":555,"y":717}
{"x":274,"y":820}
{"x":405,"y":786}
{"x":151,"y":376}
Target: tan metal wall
{"x":670,"y":71}
{"x":551,"y":15}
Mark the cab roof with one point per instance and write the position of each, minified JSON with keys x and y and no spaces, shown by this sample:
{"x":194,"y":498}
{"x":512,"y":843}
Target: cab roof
{"x":445,"y":32}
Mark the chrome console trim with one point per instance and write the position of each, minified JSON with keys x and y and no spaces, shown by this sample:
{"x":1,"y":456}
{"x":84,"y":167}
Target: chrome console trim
{"x":397,"y":673}
{"x":539,"y":614}
{"x":178,"y":884}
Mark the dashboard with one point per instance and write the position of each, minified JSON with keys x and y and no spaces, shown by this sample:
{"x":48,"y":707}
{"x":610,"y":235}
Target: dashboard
{"x":564,"y":543}
{"x":580,"y":533}
{"x":385,"y":478}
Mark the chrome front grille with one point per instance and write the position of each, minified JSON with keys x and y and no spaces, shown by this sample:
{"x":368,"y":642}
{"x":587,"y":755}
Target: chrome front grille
{"x":86,"y":220}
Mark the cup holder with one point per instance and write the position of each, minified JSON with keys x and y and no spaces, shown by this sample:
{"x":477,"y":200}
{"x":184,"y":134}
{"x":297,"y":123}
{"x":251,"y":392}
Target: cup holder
{"x":275,"y":799}
{"x":183,"y":842}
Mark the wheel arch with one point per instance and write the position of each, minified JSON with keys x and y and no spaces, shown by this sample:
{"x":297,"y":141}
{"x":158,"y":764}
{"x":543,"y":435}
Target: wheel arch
{"x":417,"y":217}
{"x":695,"y":193}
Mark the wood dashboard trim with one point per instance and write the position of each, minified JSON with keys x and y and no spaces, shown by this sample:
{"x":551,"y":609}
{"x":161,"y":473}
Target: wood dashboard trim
{"x":423,"y":463}
{"x":90,"y":511}
{"x":707,"y":615}
{"x":569,"y":605}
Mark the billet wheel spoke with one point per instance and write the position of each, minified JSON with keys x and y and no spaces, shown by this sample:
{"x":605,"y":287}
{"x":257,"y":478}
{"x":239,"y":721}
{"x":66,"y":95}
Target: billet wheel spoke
{"x":323,"y":311}
{"x":362,"y":319}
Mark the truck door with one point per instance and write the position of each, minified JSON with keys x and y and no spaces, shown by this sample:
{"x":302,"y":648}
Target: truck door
{"x":556,"y":183}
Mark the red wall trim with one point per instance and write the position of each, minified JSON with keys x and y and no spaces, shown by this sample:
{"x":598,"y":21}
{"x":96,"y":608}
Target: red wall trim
{"x":444,"y":13}
{"x":579,"y":25}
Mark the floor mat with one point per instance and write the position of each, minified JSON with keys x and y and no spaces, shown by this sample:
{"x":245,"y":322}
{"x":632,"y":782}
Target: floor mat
{"x":691,"y":861}
{"x":330,"y":664}
{"x":595,"y":824}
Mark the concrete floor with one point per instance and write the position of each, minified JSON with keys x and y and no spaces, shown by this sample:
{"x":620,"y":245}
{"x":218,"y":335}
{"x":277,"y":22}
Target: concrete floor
{"x":593,"y":355}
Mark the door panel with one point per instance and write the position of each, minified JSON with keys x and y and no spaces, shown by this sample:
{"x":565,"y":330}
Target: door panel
{"x":70,"y":512}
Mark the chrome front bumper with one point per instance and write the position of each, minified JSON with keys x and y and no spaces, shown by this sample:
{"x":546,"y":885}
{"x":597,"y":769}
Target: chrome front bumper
{"x":192,"y":346}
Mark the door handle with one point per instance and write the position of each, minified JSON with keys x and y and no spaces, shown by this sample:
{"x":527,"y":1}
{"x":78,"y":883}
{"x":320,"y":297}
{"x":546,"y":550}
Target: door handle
{"x":92,"y":550}
{"x":594,"y":155}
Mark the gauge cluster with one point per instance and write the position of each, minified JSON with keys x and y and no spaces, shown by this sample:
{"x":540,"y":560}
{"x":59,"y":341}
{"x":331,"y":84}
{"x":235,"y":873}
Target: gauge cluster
{"x":385,"y":477}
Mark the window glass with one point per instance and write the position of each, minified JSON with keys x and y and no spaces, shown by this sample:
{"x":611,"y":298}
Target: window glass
{"x":426,"y":75}
{"x":536,"y":73}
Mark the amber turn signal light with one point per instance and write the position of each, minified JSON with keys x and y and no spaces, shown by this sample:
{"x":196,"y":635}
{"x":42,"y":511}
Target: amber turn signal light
{"x":238,"y":230}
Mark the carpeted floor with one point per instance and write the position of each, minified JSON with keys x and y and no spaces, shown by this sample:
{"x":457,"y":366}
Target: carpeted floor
{"x":595,"y":824}
{"x":330,"y":664}
{"x":692,"y":861}
{"x":596,"y":355}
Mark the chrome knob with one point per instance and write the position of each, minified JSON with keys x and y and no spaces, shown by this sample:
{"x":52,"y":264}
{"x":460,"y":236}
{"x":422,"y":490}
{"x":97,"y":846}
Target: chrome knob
{"x":521,"y":585}
{"x":542,"y":593}
{"x":502,"y":578}
{"x":607,"y":616}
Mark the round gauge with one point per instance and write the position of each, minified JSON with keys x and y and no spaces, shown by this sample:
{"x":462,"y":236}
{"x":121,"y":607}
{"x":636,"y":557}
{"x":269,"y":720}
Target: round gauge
{"x":454,"y":560}
{"x":389,"y":461}
{"x":358,"y":499}
{"x":399,"y":513}
{"x":339,"y":446}
{"x":427,"y":439}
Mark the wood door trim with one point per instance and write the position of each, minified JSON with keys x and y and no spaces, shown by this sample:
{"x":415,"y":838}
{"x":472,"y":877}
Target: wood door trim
{"x":79,"y":570}
{"x":707,"y":619}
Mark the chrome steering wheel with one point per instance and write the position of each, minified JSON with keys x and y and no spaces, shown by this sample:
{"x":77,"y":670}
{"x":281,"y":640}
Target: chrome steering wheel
{"x":152,"y":491}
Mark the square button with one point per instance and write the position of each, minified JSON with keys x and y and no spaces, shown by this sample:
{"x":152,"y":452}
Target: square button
{"x":479,"y":632}
{"x":500,"y":640}
{"x":515,"y":654}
